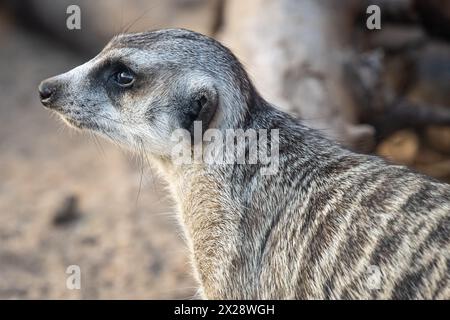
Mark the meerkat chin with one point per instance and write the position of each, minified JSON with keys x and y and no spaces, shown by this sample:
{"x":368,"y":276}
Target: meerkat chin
{"x":327,"y":224}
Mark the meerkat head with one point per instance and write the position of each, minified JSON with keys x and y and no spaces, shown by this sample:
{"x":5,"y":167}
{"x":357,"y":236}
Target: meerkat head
{"x":142,"y":87}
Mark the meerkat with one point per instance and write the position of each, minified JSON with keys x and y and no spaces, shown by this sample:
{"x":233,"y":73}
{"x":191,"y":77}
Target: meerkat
{"x":320,"y":227}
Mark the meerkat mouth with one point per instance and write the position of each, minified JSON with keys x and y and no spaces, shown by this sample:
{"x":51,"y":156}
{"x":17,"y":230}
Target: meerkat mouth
{"x":78,"y":123}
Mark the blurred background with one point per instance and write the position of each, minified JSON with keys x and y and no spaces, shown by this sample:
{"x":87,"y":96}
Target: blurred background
{"x":73,"y":199}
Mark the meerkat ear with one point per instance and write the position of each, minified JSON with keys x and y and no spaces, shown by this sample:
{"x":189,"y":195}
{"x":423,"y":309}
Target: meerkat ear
{"x":202,"y":107}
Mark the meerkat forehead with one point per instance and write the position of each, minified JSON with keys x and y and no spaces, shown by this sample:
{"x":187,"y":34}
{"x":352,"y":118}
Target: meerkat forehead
{"x":180,"y":47}
{"x":149,"y":39}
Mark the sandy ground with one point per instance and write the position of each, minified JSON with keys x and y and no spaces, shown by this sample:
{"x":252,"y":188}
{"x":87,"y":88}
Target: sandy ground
{"x":67,"y":200}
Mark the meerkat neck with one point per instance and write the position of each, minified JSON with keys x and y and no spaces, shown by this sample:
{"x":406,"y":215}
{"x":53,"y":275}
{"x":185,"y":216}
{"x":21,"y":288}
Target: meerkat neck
{"x":215,"y":200}
{"x":212,"y":201}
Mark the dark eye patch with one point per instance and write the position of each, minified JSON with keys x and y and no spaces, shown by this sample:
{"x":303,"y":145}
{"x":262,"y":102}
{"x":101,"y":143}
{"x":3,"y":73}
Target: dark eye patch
{"x":103,"y":77}
{"x":104,"y":71}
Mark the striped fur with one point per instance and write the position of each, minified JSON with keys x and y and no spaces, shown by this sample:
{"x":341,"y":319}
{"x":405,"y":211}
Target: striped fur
{"x":312,"y":230}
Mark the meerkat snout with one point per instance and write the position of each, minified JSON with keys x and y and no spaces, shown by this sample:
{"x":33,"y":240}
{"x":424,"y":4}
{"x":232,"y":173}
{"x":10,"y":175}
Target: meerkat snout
{"x":46,"y":90}
{"x":51,"y":91}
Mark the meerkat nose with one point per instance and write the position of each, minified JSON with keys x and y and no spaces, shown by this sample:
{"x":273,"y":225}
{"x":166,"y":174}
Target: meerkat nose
{"x":46,"y":91}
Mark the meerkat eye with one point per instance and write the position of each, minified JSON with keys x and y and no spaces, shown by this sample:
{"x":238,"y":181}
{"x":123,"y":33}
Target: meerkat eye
{"x":124,"y":78}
